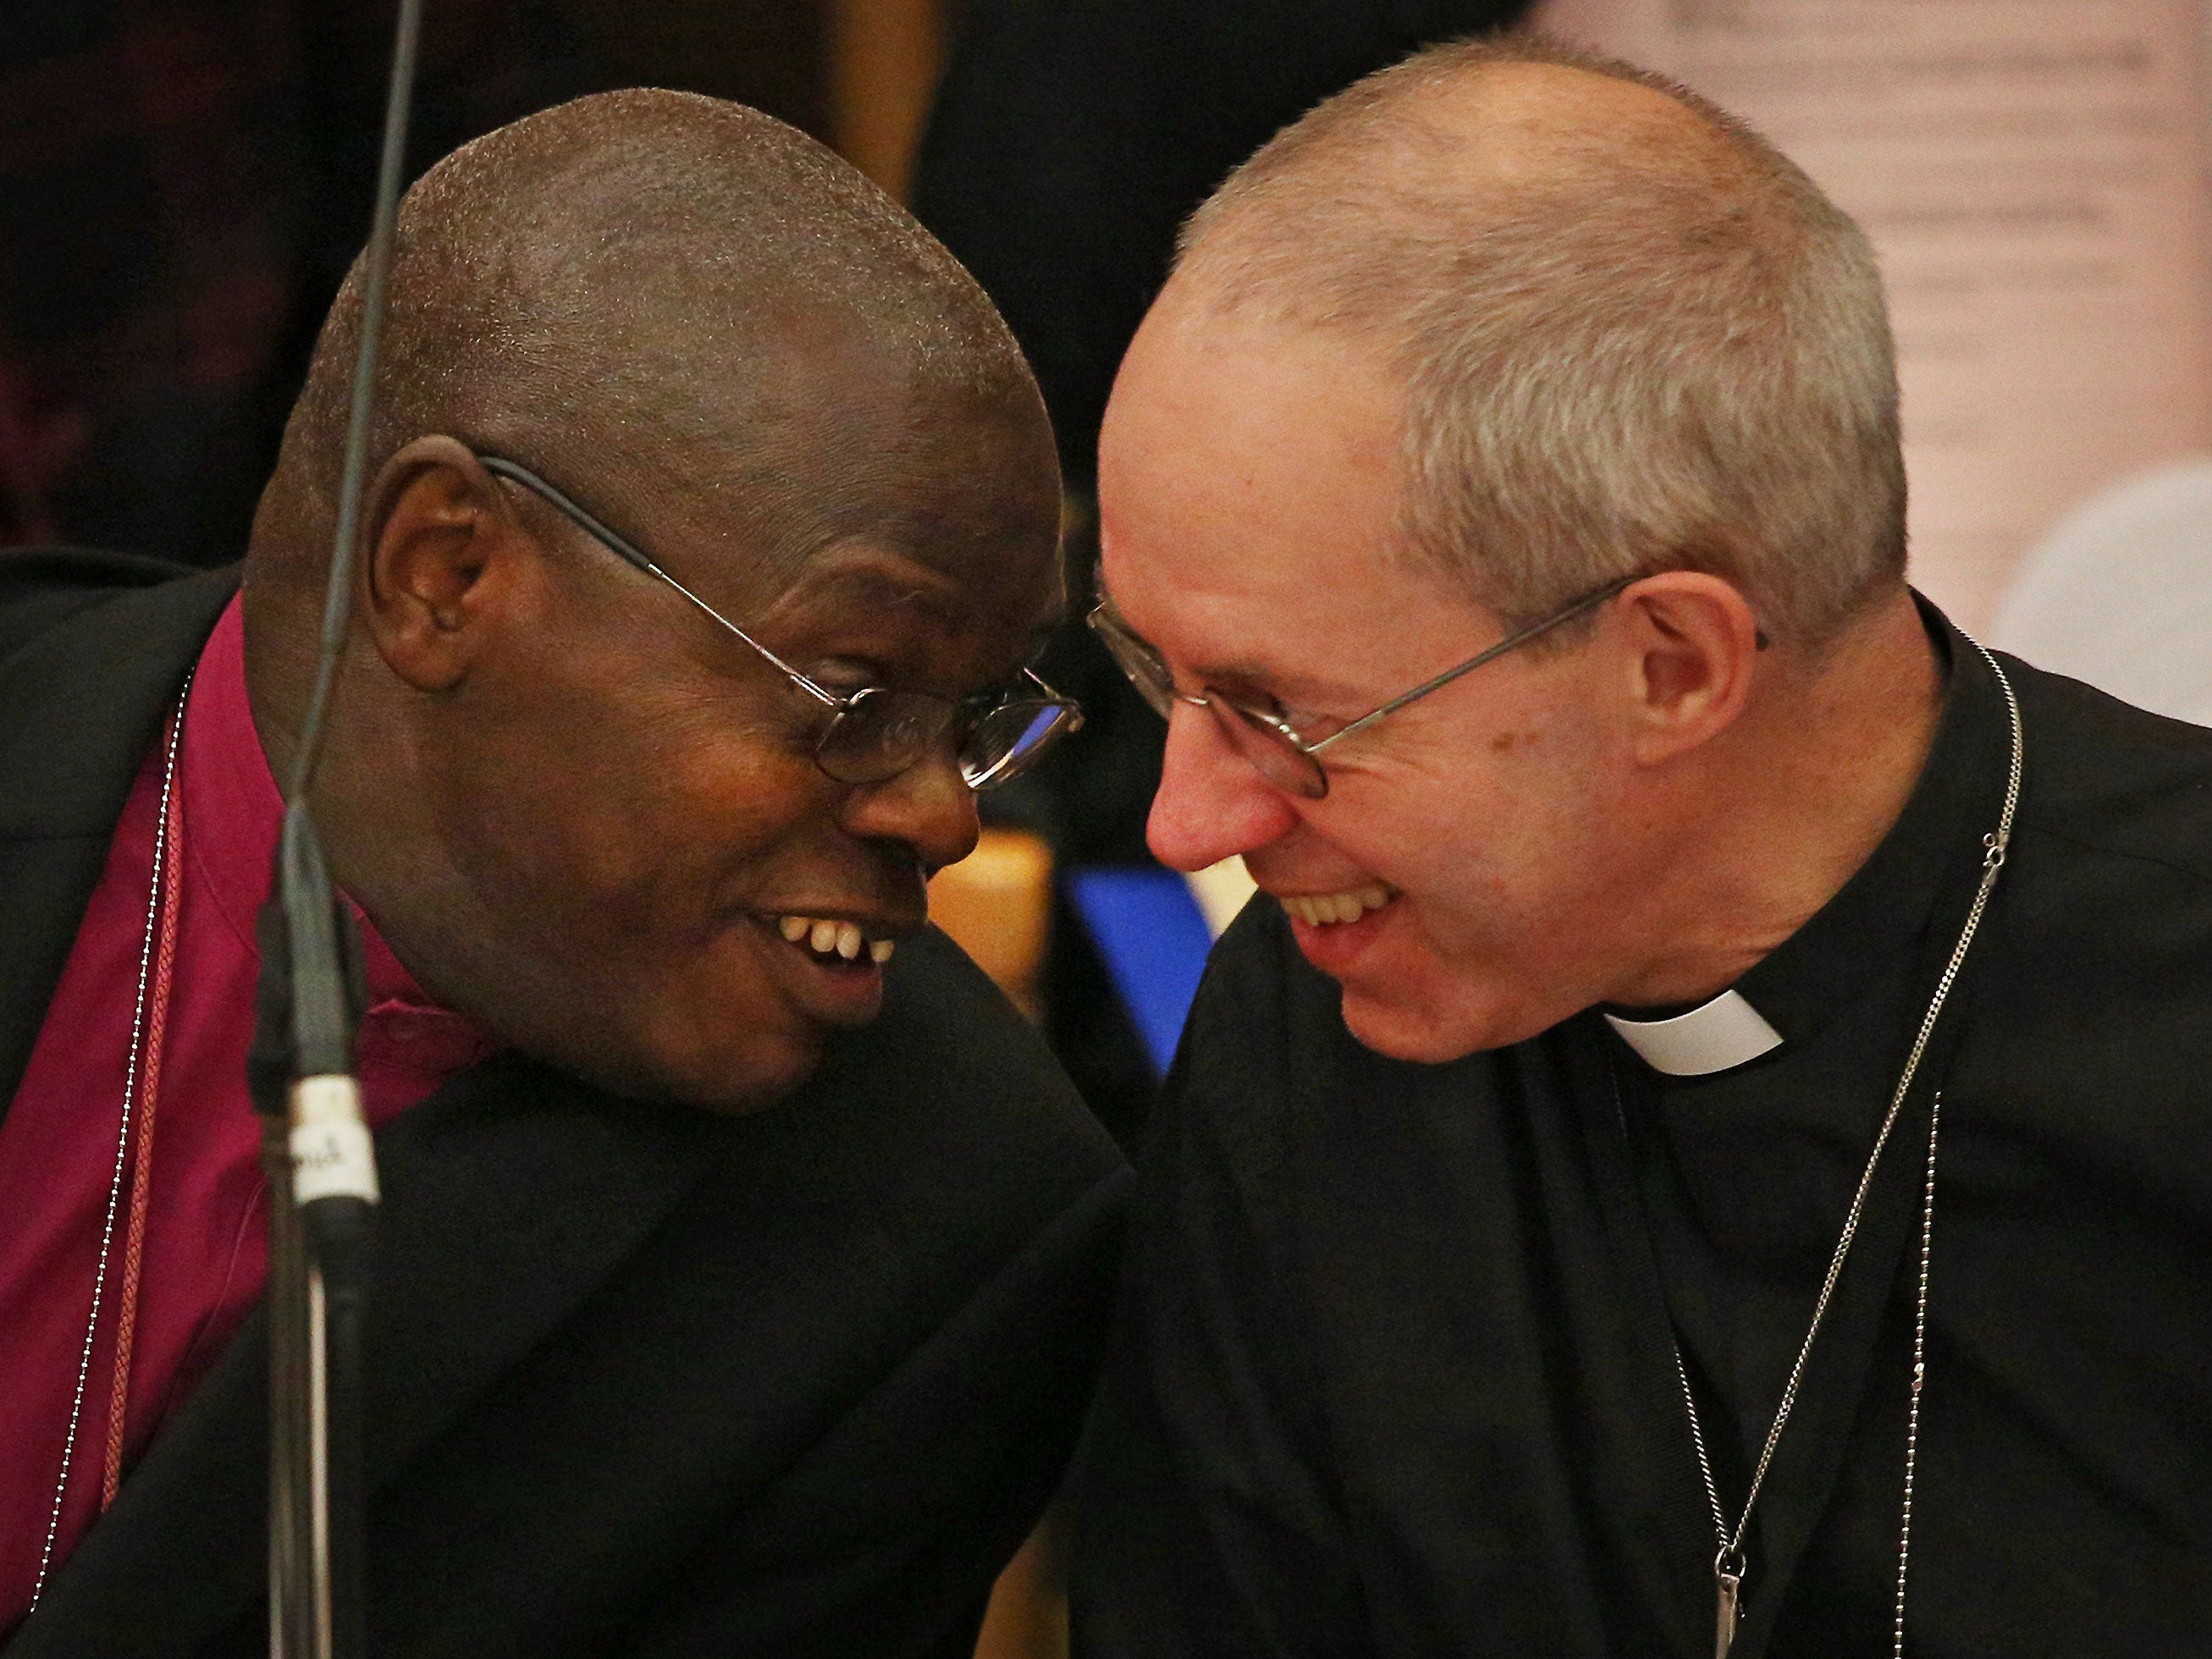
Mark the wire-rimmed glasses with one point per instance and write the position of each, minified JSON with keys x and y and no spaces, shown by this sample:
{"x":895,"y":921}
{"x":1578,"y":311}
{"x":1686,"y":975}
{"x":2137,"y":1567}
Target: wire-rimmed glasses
{"x":878,"y":731}
{"x":1275,"y":748}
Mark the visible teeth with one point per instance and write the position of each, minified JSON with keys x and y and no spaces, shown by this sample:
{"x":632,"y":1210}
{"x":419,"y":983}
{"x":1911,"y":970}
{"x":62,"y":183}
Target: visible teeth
{"x":1321,"y":910}
{"x":825,"y":936}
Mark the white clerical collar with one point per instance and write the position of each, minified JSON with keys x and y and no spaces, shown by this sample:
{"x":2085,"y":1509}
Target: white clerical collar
{"x":1712,"y":1037}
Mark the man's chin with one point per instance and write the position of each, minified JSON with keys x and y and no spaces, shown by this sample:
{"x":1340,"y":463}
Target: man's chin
{"x":727,"y":1082}
{"x":752,"y":1081}
{"x":1411,"y":1027}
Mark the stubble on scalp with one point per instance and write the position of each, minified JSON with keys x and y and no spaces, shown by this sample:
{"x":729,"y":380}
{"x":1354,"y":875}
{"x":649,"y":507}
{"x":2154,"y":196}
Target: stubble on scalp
{"x":606,"y":291}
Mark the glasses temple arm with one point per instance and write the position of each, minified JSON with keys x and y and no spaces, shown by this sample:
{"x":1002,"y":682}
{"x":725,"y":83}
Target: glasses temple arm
{"x":632,"y":554}
{"x":1519,"y":636}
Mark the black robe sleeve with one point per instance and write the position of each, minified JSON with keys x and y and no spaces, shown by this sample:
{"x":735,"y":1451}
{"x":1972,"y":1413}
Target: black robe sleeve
{"x":1207,"y":1522}
{"x":643,"y":1380}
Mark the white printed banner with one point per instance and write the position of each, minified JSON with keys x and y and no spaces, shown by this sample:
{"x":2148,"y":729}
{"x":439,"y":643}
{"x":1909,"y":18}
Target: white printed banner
{"x":2034,"y":174}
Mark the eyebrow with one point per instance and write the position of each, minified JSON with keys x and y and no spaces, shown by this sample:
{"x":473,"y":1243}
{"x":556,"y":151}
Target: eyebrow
{"x":1232,"y":672}
{"x":867,"y":589}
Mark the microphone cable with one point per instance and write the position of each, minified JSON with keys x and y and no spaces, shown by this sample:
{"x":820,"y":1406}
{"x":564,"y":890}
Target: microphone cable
{"x":316,"y":1146}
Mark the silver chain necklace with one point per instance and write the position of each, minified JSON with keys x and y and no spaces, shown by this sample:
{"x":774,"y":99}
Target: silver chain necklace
{"x":122,"y":1143}
{"x":1728,"y":1560}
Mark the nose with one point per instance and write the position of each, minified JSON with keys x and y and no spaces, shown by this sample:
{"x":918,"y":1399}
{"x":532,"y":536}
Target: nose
{"x":929,"y":806}
{"x":1211,"y":804}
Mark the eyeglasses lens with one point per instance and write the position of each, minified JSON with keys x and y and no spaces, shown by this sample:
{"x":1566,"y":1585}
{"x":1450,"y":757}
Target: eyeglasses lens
{"x":1145,"y":671}
{"x":1270,"y":750}
{"x":1010,"y":739}
{"x":882,"y":732}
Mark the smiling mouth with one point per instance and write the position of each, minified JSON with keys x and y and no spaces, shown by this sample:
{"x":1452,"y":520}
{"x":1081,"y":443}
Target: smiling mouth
{"x":836,"y":944}
{"x":1327,"y":909}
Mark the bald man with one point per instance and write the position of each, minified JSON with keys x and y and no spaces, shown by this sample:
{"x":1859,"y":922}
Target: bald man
{"x":712,"y":524}
{"x":1704,"y":1145}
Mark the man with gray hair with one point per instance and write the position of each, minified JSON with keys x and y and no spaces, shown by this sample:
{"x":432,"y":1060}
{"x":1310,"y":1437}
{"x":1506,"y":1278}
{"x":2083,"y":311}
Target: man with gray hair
{"x":1704,"y":1143}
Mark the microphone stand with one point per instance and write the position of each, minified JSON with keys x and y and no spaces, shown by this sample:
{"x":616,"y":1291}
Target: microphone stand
{"x":315,"y":1146}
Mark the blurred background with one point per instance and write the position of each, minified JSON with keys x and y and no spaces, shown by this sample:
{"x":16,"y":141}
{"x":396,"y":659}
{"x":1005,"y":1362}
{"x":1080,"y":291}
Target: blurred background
{"x":183,"y":182}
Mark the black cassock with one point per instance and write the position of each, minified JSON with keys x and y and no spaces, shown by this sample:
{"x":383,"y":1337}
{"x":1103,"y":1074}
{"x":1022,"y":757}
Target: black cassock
{"x":642,"y":1381}
{"x":1396,"y":1369}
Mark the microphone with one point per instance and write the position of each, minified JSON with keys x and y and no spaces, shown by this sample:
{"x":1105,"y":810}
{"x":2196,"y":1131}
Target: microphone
{"x":316,"y":1148}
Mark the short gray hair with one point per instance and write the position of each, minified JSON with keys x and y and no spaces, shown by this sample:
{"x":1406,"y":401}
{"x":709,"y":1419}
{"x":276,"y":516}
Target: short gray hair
{"x":594,"y":289}
{"x":1638,"y":356}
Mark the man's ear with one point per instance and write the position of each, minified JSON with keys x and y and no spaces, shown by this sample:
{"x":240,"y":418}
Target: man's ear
{"x":441,"y":554}
{"x":1693,"y":642}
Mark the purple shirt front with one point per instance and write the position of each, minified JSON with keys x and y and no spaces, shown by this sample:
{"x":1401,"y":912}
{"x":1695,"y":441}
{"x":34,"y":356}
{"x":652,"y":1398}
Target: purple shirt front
{"x":205,"y":1241}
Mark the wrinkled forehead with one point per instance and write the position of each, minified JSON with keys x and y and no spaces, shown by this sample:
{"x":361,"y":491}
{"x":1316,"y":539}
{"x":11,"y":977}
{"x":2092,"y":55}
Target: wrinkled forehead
{"x":950,"y":518}
{"x":866,"y":584}
{"x":1250,"y":527}
{"x":925,"y":484}
{"x":1239,"y":455}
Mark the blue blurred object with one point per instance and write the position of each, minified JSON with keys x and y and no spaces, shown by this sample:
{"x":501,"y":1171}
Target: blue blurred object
{"x":1152,"y":937}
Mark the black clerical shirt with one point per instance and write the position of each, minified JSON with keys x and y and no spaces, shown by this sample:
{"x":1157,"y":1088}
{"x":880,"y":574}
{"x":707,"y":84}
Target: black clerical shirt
{"x":1394,"y":1372}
